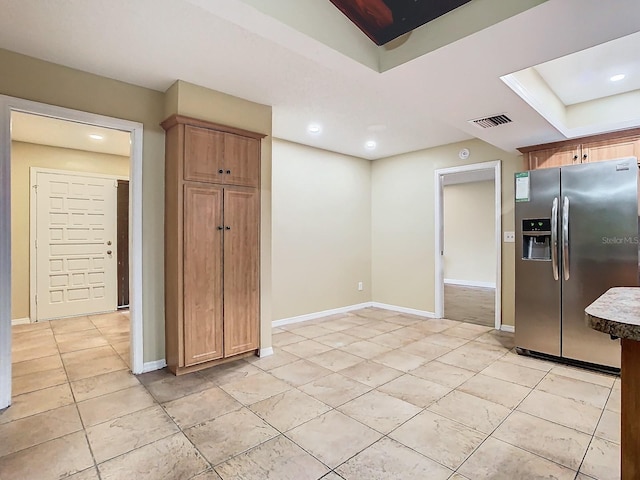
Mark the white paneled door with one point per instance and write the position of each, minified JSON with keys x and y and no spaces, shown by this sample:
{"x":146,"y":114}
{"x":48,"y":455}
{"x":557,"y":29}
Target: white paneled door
{"x":75,"y":244}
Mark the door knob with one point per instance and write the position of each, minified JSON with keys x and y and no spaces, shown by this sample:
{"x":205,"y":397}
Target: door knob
{"x":108,"y":252}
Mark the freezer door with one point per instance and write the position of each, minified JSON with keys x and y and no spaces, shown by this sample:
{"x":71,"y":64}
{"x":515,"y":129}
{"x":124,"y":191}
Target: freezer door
{"x":537,"y":312}
{"x":600,"y":250}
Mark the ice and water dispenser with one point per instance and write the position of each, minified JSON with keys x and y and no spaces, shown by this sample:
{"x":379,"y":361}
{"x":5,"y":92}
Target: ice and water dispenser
{"x":536,"y":239}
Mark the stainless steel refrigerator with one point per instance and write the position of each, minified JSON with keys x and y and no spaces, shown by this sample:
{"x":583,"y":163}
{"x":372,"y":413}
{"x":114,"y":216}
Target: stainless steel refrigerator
{"x":576,"y":237}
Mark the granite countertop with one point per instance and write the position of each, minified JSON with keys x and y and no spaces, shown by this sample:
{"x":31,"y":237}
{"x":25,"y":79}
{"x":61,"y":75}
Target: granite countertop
{"x":616,"y":312}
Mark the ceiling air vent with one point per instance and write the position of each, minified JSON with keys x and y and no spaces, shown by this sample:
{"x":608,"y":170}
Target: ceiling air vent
{"x":489,"y":122}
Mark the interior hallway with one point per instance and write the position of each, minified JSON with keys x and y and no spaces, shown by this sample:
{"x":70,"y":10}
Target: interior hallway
{"x":371,"y":394}
{"x":470,"y":304}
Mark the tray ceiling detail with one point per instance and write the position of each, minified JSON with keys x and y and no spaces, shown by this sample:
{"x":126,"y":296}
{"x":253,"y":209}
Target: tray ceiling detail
{"x":386,"y":20}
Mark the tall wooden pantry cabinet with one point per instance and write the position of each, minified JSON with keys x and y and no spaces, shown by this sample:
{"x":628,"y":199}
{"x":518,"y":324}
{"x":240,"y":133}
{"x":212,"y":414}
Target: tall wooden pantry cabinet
{"x":212,"y":243}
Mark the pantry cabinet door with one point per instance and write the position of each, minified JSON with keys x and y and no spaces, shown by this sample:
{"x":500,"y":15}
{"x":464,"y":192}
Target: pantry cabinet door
{"x":203,"y":307}
{"x":241,"y":270}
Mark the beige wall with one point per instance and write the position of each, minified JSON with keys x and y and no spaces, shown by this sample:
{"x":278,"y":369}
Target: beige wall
{"x":23,"y":77}
{"x":198,"y":102}
{"x":23,"y":157}
{"x":32,"y":79}
{"x":469,"y":232}
{"x":403,"y":223}
{"x":401,"y":193}
{"x":321,"y":230}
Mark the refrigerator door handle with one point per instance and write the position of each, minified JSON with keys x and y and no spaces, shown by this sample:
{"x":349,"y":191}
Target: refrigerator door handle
{"x":554,"y":238}
{"x":565,"y":237}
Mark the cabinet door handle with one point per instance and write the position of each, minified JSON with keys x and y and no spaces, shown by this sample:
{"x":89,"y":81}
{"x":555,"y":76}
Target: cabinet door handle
{"x":228,"y":172}
{"x":220,"y":171}
{"x":227,"y":228}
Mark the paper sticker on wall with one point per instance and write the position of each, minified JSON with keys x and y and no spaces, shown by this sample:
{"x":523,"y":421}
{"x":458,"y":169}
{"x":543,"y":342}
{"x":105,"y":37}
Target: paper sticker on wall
{"x":522,"y":187}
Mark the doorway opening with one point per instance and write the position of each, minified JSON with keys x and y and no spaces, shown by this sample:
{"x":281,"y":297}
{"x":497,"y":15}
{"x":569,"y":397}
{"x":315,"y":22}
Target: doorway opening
{"x":468,"y":259}
{"x":76,"y":253}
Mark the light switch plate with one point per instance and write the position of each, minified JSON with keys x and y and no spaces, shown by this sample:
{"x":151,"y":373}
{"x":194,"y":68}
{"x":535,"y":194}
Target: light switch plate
{"x":509,"y":237}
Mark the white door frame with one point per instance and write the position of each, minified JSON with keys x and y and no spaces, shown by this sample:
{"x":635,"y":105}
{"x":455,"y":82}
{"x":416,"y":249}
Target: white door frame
{"x":439,"y":175}
{"x":33,"y":173}
{"x":7,"y":105}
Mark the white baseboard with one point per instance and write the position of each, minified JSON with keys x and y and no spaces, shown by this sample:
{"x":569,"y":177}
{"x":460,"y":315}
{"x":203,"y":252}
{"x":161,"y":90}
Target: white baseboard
{"x":324,"y":313}
{"x":411,"y":311}
{"x":265,"y":352}
{"x":21,"y":321}
{"x":508,"y":328}
{"x":156,"y":365}
{"x":469,"y":283}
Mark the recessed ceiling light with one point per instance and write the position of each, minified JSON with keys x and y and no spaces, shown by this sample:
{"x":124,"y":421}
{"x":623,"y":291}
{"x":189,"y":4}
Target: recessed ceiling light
{"x":617,"y":78}
{"x":95,"y":136}
{"x":370,"y":145}
{"x":314,"y":129}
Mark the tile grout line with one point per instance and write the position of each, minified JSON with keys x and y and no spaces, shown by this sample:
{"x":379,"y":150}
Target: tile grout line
{"x":95,"y":463}
{"x":406,"y":373}
{"x":593,"y":436}
{"x":498,"y":426}
{"x":403,"y":373}
{"x":182,"y":432}
{"x":331,"y":408}
{"x":452,"y":420}
{"x":524,"y":449}
{"x":370,"y":389}
{"x":73,"y":396}
{"x":422,"y":409}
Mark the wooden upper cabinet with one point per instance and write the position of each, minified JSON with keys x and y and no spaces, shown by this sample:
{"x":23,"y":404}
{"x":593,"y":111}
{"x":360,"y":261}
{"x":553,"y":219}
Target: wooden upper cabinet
{"x":241,"y":269}
{"x":611,"y":149}
{"x":220,"y":157}
{"x":241,"y":161}
{"x":597,"y":148}
{"x":205,"y":149}
{"x":554,"y":157}
{"x":203,"y":302}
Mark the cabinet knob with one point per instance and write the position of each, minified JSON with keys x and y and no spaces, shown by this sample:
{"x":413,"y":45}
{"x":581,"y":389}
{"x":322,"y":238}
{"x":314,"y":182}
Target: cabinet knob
{"x":227,"y":228}
{"x":228,"y":172}
{"x":575,"y":157}
{"x":109,"y":252}
{"x":220,"y":227}
{"x":220,"y":171}
{"x":584,"y":156}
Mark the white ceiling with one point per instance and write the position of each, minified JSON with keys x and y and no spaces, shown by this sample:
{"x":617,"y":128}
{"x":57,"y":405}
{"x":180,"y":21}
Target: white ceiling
{"x":42,"y":130}
{"x":423,"y":103}
{"x":585,"y":75}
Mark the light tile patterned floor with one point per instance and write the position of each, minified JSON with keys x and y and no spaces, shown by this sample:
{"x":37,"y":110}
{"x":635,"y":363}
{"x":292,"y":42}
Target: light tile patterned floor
{"x":368,"y":395}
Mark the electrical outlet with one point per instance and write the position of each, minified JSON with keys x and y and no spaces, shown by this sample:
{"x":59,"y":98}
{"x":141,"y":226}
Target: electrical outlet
{"x":360,"y":287}
{"x":509,"y":237}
